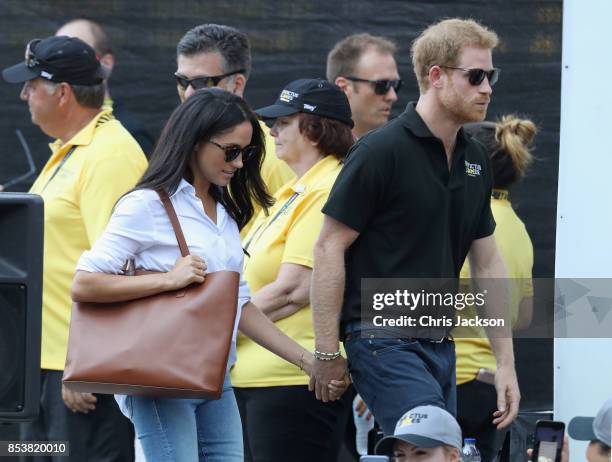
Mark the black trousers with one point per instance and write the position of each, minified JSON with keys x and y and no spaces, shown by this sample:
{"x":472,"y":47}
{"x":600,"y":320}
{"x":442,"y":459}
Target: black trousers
{"x":346,"y":424}
{"x":103,"y":435}
{"x":283,"y":424}
{"x":476,"y":402}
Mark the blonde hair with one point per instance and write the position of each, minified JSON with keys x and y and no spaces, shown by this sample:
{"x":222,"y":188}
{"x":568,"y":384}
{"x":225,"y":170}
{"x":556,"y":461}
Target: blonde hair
{"x":514,"y":137}
{"x":442,"y":42}
{"x":507,"y":143}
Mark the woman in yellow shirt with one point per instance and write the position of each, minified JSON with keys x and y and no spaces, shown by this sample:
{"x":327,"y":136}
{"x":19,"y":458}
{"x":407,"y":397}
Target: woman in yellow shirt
{"x":507,"y":143}
{"x":281,"y":419}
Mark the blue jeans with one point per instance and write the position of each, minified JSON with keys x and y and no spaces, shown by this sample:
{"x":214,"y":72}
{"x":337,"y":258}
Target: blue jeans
{"x":186,"y":430}
{"x":394,"y":375}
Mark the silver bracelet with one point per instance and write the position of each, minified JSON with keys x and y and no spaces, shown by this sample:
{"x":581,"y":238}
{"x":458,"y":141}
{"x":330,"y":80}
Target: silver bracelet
{"x":322,"y":356}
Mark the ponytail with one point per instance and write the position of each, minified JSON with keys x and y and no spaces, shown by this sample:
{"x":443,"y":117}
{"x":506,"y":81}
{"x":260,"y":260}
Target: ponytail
{"x":514,"y":136}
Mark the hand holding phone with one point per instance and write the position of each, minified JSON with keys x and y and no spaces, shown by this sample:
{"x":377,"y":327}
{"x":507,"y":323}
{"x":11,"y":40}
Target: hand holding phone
{"x":548,"y":441}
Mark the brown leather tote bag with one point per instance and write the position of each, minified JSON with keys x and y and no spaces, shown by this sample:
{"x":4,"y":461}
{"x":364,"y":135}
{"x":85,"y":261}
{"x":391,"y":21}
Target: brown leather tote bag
{"x":173,"y":344}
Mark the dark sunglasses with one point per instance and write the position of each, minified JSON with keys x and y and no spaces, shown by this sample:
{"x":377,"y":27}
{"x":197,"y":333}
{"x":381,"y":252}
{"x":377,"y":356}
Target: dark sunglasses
{"x":204,"y":81}
{"x":231,"y":152}
{"x":476,"y":76}
{"x":381,"y":87}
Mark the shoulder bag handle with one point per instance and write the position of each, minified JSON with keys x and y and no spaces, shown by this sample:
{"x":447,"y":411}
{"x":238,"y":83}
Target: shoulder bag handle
{"x":180,"y":237}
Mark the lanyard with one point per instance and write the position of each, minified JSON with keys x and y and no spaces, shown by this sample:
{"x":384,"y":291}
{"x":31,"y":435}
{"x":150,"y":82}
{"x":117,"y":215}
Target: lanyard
{"x":272,"y":220}
{"x":61,"y":164}
{"x":102,"y":120}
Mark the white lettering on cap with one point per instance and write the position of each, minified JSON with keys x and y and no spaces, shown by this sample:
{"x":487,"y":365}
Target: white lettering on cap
{"x":46,"y":75}
{"x":309,"y":107}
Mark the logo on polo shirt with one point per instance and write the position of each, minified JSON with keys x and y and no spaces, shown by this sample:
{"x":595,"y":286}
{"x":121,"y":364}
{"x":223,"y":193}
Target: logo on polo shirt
{"x":472,"y":169}
{"x":287,"y":96}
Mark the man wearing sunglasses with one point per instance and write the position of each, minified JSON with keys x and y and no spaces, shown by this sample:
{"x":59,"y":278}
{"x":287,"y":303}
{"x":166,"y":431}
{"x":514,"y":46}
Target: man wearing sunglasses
{"x":212,"y":55}
{"x":411,"y":201}
{"x":94,"y":161}
{"x":364,"y":67}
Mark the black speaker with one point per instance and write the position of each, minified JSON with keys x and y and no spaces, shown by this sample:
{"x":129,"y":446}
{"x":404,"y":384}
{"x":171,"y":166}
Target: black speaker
{"x":21,"y":260}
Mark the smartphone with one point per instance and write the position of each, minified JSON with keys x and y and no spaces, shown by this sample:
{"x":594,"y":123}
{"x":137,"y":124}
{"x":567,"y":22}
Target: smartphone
{"x":374,"y":459}
{"x":548,"y":441}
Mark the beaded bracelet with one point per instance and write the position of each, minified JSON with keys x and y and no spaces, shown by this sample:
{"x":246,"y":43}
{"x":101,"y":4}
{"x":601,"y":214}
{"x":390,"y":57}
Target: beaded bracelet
{"x":322,"y":356}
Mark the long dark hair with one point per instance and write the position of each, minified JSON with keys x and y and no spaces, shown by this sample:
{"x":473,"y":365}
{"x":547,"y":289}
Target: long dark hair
{"x":203,"y":115}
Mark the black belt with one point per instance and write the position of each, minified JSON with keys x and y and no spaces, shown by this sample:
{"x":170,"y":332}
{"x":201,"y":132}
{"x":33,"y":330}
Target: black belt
{"x":356,"y":329}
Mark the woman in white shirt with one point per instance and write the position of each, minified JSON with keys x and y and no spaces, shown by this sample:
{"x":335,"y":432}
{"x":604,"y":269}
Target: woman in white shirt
{"x":208,"y":160}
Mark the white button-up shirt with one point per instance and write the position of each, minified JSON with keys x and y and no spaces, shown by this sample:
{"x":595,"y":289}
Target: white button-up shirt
{"x":140,"y":230}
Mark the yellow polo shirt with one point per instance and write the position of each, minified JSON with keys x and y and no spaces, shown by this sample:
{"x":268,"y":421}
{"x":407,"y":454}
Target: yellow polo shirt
{"x":274,"y":172}
{"x":471,"y":344}
{"x":286,"y":235}
{"x":79,"y":198}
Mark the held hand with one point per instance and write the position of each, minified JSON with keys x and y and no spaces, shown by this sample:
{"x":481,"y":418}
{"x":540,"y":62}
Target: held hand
{"x":78,"y":402}
{"x":338,"y":387}
{"x":323,"y":372}
{"x":508,"y":396}
{"x":187,"y":270}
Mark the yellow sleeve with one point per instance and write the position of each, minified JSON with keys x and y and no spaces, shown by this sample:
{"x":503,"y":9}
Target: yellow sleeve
{"x":304,"y":231}
{"x":104,"y":180}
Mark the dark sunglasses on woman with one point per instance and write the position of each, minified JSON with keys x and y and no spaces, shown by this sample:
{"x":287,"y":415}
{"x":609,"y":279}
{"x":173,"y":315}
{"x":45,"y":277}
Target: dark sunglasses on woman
{"x":233,"y":151}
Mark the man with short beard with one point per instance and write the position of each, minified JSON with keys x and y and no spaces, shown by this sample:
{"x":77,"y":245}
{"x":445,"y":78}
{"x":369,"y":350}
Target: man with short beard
{"x":412,"y":199}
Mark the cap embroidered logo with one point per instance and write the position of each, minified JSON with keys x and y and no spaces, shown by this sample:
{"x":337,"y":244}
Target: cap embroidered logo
{"x":287,"y":96}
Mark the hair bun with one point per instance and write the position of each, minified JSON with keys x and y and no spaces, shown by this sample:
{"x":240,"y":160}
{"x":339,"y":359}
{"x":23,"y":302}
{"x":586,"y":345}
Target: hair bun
{"x":515,"y":136}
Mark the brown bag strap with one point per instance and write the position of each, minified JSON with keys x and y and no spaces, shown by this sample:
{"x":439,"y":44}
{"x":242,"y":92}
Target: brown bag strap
{"x":178,"y":231}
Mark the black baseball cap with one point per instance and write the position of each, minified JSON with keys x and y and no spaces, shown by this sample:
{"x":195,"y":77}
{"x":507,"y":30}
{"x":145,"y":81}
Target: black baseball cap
{"x":58,"y":59}
{"x":310,"y":96}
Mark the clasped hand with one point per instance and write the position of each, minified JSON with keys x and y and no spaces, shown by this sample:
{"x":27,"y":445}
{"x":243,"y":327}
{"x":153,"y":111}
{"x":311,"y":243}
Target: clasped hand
{"x":329,"y":379}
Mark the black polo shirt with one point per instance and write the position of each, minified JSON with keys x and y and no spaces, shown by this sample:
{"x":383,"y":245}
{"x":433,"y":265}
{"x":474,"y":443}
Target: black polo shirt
{"x":416,"y":218}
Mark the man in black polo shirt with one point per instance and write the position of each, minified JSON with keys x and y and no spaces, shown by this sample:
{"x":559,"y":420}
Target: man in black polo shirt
{"x":411,"y":201}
